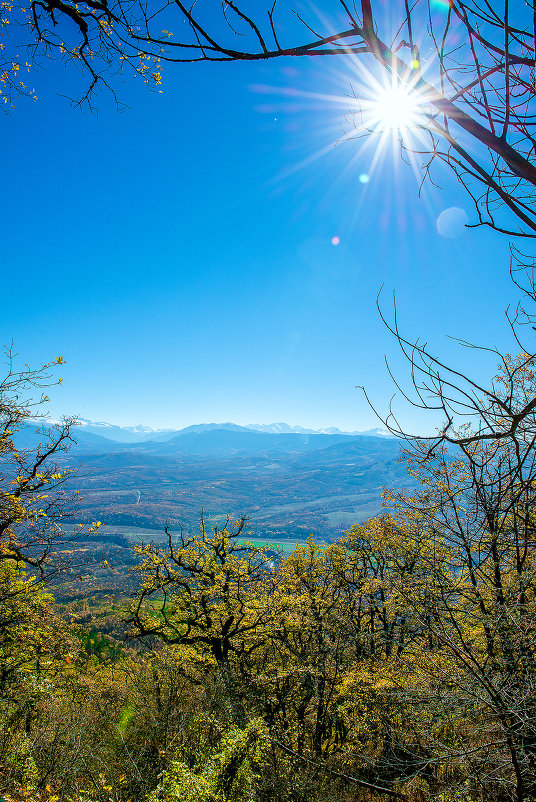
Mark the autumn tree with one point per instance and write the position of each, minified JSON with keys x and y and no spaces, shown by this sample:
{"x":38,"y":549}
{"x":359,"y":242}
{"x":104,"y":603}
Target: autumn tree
{"x":330,"y":674}
{"x":472,"y":600}
{"x":299,"y":671}
{"x":479,"y":513}
{"x":36,"y":645}
{"x":34,"y":499}
{"x":34,"y":504}
{"x":208,"y":591}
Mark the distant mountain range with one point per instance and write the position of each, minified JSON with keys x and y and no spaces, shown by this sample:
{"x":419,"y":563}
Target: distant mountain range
{"x":214,"y":439}
{"x":141,"y":433}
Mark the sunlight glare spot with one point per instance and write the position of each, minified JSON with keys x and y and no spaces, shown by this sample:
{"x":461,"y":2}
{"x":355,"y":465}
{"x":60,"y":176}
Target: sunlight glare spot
{"x":364,"y":178}
{"x":335,"y":240}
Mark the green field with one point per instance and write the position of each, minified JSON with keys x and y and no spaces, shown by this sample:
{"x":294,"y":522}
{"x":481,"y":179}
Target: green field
{"x":137,"y":534}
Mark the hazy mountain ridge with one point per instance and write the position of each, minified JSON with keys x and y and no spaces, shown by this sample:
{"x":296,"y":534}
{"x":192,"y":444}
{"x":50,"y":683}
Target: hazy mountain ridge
{"x":141,"y":433}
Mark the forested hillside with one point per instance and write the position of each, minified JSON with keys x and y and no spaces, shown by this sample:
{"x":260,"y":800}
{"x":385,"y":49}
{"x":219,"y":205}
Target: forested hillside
{"x":395,"y":662}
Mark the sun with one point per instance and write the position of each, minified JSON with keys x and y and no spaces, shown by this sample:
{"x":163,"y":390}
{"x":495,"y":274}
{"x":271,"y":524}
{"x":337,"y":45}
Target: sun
{"x":389,"y":112}
{"x":395,"y":108}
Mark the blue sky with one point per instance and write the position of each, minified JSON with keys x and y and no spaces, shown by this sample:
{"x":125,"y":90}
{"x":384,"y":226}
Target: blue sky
{"x":179,"y":254}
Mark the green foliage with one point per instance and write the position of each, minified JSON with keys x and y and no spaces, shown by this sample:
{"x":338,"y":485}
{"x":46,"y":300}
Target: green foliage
{"x":232,"y":774}
{"x":182,"y":785}
{"x":102,"y":647}
{"x":19,"y":762}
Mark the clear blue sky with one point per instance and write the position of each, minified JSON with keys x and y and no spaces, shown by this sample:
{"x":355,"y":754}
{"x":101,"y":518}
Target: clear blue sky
{"x":179,"y":254}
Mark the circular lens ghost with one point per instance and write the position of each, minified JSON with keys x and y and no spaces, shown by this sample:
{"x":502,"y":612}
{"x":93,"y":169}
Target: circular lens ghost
{"x":451,"y":222}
